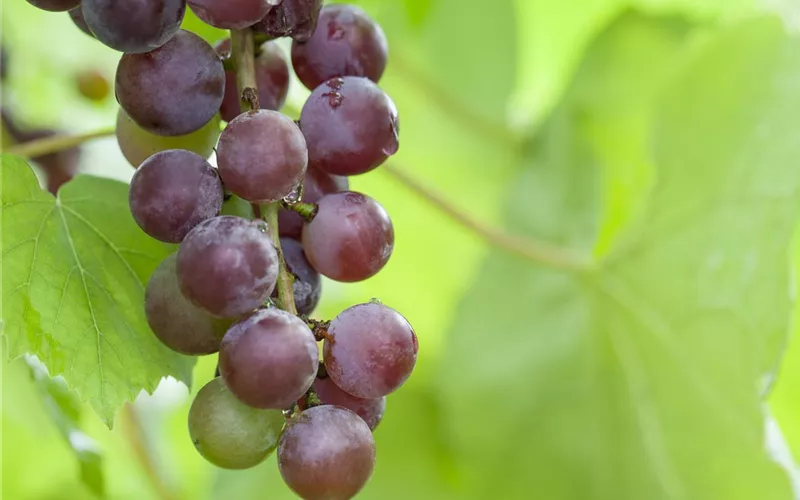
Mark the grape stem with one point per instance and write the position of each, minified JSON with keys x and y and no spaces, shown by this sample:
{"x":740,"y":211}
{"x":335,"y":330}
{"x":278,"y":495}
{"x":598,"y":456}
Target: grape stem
{"x":134,"y":431}
{"x":306,"y":210}
{"x":243,"y":55}
{"x":56,"y":143}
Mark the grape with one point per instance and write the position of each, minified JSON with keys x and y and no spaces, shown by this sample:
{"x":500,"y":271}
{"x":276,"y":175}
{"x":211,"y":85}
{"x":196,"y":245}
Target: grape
{"x":230,"y":14}
{"x":133,"y":26}
{"x":261,"y":156}
{"x":93,"y":85}
{"x":137,"y":144}
{"x":370,"y":350}
{"x":295,"y":18}
{"x":272,"y":77}
{"x":326,"y":453}
{"x":350,"y":239}
{"x":270,"y":359}
{"x":172,"y":192}
{"x":315,"y":186}
{"x":174,"y":320}
{"x":307,"y":285}
{"x":76,"y":15}
{"x":227,"y":265}
{"x":346,"y":43}
{"x":350,"y":126}
{"x":230,"y":434}
{"x":371,"y":410}
{"x":55,"y":5}
{"x":173,"y":90}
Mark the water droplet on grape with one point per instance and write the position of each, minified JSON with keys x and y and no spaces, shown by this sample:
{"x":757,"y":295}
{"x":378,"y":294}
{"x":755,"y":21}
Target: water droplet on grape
{"x":295,"y":195}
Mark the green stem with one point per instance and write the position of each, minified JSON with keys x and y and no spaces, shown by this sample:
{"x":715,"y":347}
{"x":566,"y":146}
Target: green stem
{"x":56,"y":143}
{"x":306,"y":210}
{"x":243,"y":54}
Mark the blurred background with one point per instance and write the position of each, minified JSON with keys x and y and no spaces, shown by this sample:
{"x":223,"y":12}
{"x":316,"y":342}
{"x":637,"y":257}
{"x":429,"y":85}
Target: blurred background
{"x":535,"y":117}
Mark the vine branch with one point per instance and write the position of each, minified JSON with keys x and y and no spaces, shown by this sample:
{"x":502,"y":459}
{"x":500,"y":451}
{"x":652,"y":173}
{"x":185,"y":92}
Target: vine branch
{"x":243,"y":54}
{"x":56,"y":143}
{"x":134,"y":432}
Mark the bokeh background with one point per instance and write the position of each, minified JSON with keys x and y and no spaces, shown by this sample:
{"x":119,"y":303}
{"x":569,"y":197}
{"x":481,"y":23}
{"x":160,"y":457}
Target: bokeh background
{"x":486,"y":90}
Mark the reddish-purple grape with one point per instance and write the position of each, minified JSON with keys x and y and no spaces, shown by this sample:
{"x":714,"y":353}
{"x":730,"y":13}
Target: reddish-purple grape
{"x":173,"y":191}
{"x":347,"y":42}
{"x":133,"y":26}
{"x":261,"y":156}
{"x":76,"y":15}
{"x":227,"y":266}
{"x":230,"y":14}
{"x":174,"y":320}
{"x":272,"y":77}
{"x":371,"y":410}
{"x":269,"y":360}
{"x":350,"y":239}
{"x":350,"y":126}
{"x":370,"y":350}
{"x":173,"y":90}
{"x":294,"y":18}
{"x":326,"y":453}
{"x":315,"y":186}
{"x":55,"y":5}
{"x":307,"y":285}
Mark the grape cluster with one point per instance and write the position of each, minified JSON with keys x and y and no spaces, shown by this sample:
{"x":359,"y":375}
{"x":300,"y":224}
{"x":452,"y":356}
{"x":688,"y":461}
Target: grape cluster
{"x":242,"y":286}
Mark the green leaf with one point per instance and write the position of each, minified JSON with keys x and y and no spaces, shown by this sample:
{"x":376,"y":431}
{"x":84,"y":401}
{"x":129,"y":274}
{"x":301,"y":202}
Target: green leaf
{"x":642,"y":377}
{"x":64,"y":410}
{"x":74,"y":270}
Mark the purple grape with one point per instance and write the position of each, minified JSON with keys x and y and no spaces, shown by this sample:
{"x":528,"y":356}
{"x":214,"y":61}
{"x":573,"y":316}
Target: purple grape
{"x":269,"y":360}
{"x":350,"y":126}
{"x":350,"y":239}
{"x":307,"y":285}
{"x":133,"y":26}
{"x":76,"y":15}
{"x":347,"y":42}
{"x":326,"y":453}
{"x":294,"y":18}
{"x":272,"y":77}
{"x":371,"y":410}
{"x":228,"y":433}
{"x":261,"y":156}
{"x":230,"y":14}
{"x":315,"y":186}
{"x":370,"y":350}
{"x":227,"y":266}
{"x":173,"y":191}
{"x":55,"y":5}
{"x":173,"y":90}
{"x":174,"y":320}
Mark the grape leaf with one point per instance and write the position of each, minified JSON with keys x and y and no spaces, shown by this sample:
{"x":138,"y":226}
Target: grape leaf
{"x":64,"y":410}
{"x":642,"y":377}
{"x":74,"y":269}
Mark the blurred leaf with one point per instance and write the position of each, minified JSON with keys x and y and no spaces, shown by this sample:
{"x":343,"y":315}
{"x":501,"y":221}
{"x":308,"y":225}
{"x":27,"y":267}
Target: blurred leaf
{"x":73,"y":279}
{"x":64,"y":410}
{"x":640,"y":378}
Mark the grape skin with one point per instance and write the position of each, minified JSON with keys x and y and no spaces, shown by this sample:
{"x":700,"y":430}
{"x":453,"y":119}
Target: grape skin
{"x":270,"y":359}
{"x":295,"y":18}
{"x":272,"y":77}
{"x":350,"y":239}
{"x":55,"y":5}
{"x":173,"y":90}
{"x":76,"y":15}
{"x":138,"y":144}
{"x":370,"y":350}
{"x":133,"y":26}
{"x":347,"y":42}
{"x":371,"y":410}
{"x":350,"y":125}
{"x":172,"y":192}
{"x":261,"y":156}
{"x":174,"y":320}
{"x":228,"y":433}
{"x":227,"y":266}
{"x":326,"y":453}
{"x":307,"y":285}
{"x":315,"y":186}
{"x":230,"y":14}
